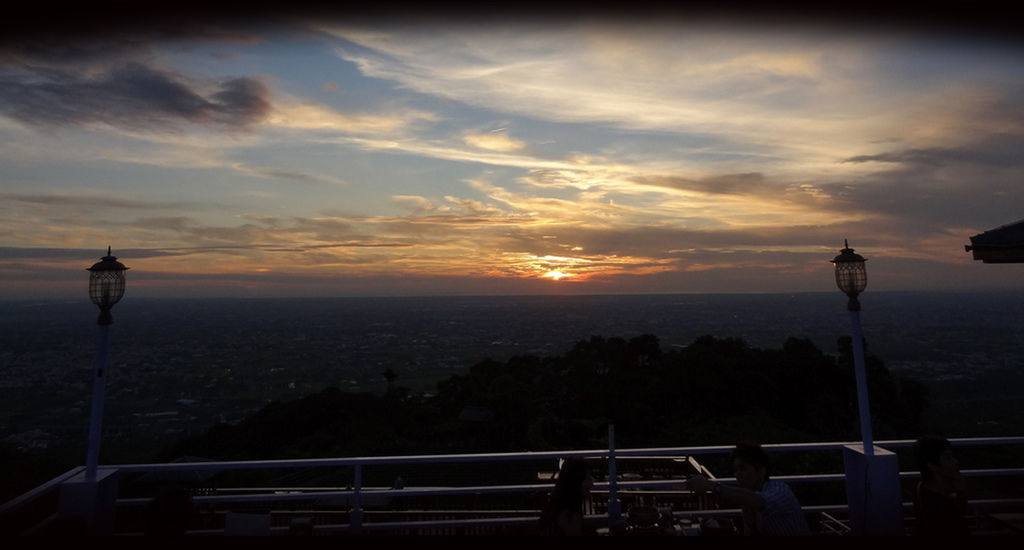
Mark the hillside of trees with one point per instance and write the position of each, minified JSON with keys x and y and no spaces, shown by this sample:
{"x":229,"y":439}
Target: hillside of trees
{"x":714,"y":391}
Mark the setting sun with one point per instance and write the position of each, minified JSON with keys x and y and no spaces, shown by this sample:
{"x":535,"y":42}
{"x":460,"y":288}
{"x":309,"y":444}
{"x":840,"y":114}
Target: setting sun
{"x":556,"y":275}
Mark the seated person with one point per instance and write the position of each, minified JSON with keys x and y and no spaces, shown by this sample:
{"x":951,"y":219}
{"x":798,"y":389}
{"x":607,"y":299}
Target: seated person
{"x":940,"y":501}
{"x":563,"y":514}
{"x":769,"y":506}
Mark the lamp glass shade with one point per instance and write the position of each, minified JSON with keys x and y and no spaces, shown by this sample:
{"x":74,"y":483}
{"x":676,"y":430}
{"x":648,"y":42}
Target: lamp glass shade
{"x":106,"y":281}
{"x":851,"y":275}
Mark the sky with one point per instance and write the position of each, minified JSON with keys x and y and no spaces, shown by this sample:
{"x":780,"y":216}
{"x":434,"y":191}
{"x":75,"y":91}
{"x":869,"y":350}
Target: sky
{"x":319,"y":154}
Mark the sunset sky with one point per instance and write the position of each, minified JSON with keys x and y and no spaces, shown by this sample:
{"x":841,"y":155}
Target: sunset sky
{"x":334,"y":156}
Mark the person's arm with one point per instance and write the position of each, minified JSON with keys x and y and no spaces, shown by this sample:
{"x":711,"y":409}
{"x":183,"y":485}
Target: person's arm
{"x":729,"y":493}
{"x":744,"y":498}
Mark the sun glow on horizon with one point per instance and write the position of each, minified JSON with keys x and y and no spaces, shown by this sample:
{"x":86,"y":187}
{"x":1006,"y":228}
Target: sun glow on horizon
{"x":556,"y":275}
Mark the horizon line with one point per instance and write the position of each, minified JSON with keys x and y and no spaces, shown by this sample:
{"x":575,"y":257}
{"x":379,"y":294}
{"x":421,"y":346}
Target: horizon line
{"x":523,"y":295}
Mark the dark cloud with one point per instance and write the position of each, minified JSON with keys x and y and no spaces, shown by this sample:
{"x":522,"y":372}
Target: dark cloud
{"x":91,"y":202}
{"x":300,"y":177}
{"x":284,"y":174}
{"x":174,"y":223}
{"x":273,"y":237}
{"x":12,"y":253}
{"x":928,"y":197}
{"x":240,"y":102}
{"x":90,"y":256}
{"x":920,"y":156}
{"x":996,"y":151}
{"x":351,"y":244}
{"x":978,"y":145}
{"x":323,"y":229}
{"x":243,"y":234}
{"x":87,"y":255}
{"x":927,"y":191}
{"x":445,"y":227}
{"x":54,"y":53}
{"x":132,"y":96}
{"x":726,"y":184}
{"x":657,"y":242}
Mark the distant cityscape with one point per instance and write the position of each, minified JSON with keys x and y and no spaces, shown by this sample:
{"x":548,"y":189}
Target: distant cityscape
{"x":178,"y":367}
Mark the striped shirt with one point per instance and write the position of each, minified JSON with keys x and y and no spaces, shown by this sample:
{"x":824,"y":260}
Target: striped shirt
{"x":782,"y":514}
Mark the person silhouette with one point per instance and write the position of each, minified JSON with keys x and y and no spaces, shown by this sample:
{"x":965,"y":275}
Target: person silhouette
{"x":940,"y":498}
{"x":769,"y":506}
{"x":563,"y":513}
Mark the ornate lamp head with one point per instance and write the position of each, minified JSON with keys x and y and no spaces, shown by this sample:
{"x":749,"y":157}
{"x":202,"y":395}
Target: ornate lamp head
{"x":106,"y":285}
{"x":851,"y":275}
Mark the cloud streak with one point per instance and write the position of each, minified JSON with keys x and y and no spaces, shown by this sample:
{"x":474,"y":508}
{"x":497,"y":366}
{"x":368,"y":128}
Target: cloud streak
{"x":78,"y":200}
{"x":132,"y":96}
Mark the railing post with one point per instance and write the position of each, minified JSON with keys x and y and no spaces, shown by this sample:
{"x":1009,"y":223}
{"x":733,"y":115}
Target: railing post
{"x":88,"y":505}
{"x":873,"y":491}
{"x":355,"y":515}
{"x":614,"y":507}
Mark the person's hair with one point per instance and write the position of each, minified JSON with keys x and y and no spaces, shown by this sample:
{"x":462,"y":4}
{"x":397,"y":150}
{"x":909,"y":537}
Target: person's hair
{"x":568,"y":494}
{"x":927,"y":450}
{"x":752,"y":453}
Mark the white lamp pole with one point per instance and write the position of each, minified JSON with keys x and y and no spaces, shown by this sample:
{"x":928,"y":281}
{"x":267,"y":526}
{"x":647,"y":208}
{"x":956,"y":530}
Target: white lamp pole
{"x":106,"y":287}
{"x":852,"y":279}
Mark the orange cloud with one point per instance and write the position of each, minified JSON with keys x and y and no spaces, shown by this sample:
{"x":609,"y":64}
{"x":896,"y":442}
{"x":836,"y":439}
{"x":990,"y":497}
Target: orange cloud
{"x":494,"y":142}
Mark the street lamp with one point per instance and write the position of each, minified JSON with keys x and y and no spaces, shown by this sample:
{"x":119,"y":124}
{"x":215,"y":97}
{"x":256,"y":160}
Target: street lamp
{"x":106,"y":287}
{"x":852,"y":278}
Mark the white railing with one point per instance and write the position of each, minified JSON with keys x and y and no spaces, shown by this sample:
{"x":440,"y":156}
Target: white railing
{"x":353,"y":499}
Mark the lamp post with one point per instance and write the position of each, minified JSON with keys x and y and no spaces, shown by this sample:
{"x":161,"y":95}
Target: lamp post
{"x":106,"y":287}
{"x":852,"y":278}
{"x":872,"y":478}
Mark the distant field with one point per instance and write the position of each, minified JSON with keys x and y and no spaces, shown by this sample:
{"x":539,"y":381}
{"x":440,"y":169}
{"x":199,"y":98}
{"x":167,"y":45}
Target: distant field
{"x":179,"y":366}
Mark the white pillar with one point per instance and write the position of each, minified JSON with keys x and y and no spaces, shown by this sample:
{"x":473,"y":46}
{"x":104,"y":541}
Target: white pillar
{"x":873,"y":491}
{"x":90,"y":501}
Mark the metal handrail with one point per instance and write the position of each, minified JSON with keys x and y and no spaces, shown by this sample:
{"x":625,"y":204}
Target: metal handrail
{"x":357,"y":492}
{"x":526,"y":455}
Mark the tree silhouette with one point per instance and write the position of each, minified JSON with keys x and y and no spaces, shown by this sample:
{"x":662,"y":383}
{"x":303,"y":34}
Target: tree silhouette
{"x":390,"y":376}
{"x":714,"y":391}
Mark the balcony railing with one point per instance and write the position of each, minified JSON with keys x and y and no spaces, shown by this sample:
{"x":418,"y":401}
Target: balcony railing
{"x":454,"y":500}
